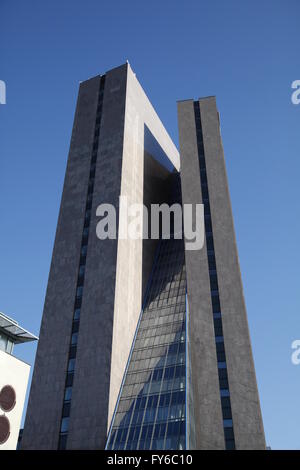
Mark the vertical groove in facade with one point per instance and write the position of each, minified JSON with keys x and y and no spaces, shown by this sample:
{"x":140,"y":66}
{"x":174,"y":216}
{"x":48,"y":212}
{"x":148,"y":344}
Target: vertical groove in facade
{"x":108,"y":443}
{"x":66,"y":408}
{"x":213,"y":277}
{"x":151,"y":411}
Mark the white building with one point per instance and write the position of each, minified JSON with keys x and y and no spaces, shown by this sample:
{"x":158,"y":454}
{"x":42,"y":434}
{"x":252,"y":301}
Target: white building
{"x":14,"y":375}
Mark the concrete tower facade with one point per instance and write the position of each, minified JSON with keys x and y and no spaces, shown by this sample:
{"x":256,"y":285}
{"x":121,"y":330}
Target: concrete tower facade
{"x":95,"y":287}
{"x":226,"y":401}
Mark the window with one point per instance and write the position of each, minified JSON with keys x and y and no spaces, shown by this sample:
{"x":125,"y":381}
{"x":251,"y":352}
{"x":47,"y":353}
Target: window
{"x":66,"y":409}
{"x":227,"y":423}
{"x":197,"y":111}
{"x":81,"y":270}
{"x":74,"y":338}
{"x":223,"y":378}
{"x":89,"y":202}
{"x":75,"y":327}
{"x":3,"y":342}
{"x":211,"y":262}
{"x":203,"y":177}
{"x":77,"y":314}
{"x":208,"y":225}
{"x":201,"y":159}
{"x":71,"y":365}
{"x":79,"y":291}
{"x":229,"y":444}
{"x":218,"y":327}
{"x":210,"y":244}
{"x":214,"y":282}
{"x":204,"y":192}
{"x":220,"y":346}
{"x":169,"y":373}
{"x":10,"y":346}
{"x":72,"y":352}
{"x":84,"y":250}
{"x":91,"y":187}
{"x":77,"y":303}
{"x":62,"y":444}
{"x":229,"y":438}
{"x":85,"y":235}
{"x":219,"y":339}
{"x":222,"y":365}
{"x":221,"y":355}
{"x":68,"y":393}
{"x":207,"y":209}
{"x":64,"y":425}
{"x":216,"y":303}
{"x":69,"y":380}
{"x":82,"y":259}
{"x":226,"y":410}
{"x":157,"y":374}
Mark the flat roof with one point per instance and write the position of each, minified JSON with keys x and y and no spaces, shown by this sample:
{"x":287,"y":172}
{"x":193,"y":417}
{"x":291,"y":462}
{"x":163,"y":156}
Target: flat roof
{"x":195,"y":100}
{"x":11,"y":328}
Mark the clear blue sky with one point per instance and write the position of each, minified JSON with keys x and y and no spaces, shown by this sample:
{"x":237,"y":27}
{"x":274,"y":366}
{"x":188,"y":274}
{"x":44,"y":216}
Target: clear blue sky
{"x":247,"y":54}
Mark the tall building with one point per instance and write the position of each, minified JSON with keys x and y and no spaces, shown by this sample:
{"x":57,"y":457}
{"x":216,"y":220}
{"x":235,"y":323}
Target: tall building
{"x":14,"y":375}
{"x":226,"y":401}
{"x":143,"y":344}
